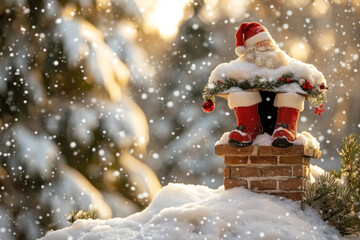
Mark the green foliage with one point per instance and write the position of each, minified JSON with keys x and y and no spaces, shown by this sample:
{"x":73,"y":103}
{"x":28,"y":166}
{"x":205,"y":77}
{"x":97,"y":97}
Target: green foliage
{"x":350,"y":164}
{"x":315,"y":95}
{"x":335,"y":195}
{"x":92,"y":213}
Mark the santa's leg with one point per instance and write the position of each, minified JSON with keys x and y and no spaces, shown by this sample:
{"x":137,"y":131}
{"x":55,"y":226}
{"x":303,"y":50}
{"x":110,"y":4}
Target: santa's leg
{"x":289,"y":107}
{"x":245,"y":105}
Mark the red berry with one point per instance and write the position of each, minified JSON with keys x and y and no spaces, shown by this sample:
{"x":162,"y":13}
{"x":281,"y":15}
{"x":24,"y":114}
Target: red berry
{"x":309,"y":87}
{"x":307,"y":82}
{"x":288,"y":80}
{"x":219,"y":82}
{"x":208,"y":106}
{"x":304,"y":86}
{"x":282,"y":79}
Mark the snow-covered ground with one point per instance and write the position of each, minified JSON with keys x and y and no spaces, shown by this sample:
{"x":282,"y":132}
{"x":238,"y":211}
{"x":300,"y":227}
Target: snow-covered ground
{"x":181,"y":211}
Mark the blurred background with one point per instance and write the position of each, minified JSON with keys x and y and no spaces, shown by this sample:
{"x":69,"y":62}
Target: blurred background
{"x":100,"y":100}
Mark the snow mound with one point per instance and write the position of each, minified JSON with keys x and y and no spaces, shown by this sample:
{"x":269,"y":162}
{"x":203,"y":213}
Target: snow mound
{"x":242,"y":70}
{"x":181,"y":211}
{"x":304,"y":138}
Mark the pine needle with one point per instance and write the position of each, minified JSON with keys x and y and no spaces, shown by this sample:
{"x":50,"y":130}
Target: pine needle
{"x":92,"y":213}
{"x":336,"y":204}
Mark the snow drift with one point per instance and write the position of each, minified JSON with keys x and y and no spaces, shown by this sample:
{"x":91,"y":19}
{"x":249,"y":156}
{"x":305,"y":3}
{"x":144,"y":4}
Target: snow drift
{"x":181,"y":211}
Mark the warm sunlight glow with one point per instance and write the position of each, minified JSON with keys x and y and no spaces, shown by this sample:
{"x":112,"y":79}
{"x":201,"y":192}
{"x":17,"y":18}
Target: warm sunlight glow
{"x":234,"y":8}
{"x":128,"y":29}
{"x":297,"y":3}
{"x":113,"y":71}
{"x":210,"y":12}
{"x":69,"y":11}
{"x":299,"y":50}
{"x":326,"y":40}
{"x":355,"y":3}
{"x":103,"y":4}
{"x":321,"y":6}
{"x":166,"y":16}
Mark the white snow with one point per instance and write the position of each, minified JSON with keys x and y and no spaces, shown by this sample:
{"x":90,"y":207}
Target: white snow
{"x":197,"y":212}
{"x":263,"y":140}
{"x":35,"y":152}
{"x":315,"y":171}
{"x":224,"y":139}
{"x":304,"y":138}
{"x":242,"y":70}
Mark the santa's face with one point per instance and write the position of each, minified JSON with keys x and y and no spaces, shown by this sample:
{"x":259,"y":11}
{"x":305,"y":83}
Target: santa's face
{"x":265,"y":45}
{"x":266,"y":54}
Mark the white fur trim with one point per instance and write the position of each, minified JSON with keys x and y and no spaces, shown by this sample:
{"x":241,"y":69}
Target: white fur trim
{"x":257,"y":38}
{"x":243,"y":99}
{"x":291,"y":100}
{"x":240,"y":50}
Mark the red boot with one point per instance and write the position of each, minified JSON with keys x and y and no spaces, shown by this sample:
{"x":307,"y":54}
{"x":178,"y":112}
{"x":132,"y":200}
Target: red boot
{"x":248,"y":126}
{"x":286,"y":127}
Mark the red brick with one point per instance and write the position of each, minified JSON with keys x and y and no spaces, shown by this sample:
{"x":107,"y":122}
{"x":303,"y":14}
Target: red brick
{"x":271,"y":151}
{"x":276,"y":171}
{"x":307,"y":161}
{"x":263,"y":185}
{"x":307,"y":172}
{"x":295,"y":196}
{"x":291,"y":160}
{"x":309,"y":151}
{"x":299,"y":171}
{"x":317,"y":154}
{"x":263,"y":160}
{"x":226,"y":150}
{"x":227,"y":172}
{"x":235,"y":160}
{"x":240,"y":172}
{"x":291,"y":184}
{"x":232,"y":183}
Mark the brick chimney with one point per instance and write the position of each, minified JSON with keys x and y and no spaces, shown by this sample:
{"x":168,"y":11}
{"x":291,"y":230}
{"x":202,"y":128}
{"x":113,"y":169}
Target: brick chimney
{"x":284,"y":172}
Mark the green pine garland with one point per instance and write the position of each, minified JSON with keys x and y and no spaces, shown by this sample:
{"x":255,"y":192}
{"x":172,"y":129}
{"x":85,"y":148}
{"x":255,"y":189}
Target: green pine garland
{"x":316,"y":96}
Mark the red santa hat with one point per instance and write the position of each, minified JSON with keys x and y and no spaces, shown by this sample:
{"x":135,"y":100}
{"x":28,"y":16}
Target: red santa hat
{"x":248,"y":35}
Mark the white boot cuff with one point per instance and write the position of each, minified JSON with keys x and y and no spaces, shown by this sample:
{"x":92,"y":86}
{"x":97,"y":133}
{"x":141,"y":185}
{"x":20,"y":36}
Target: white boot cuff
{"x":243,"y":99}
{"x":291,"y":100}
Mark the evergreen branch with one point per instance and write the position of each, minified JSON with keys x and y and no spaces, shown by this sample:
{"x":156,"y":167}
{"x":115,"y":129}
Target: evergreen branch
{"x":92,"y":213}
{"x":350,"y":164}
{"x":339,"y":204}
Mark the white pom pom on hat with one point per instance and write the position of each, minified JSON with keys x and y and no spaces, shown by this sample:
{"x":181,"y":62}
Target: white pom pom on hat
{"x":248,"y":35}
{"x":240,"y":50}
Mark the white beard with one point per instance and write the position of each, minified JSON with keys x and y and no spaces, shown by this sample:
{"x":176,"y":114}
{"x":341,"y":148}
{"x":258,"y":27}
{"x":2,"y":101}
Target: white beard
{"x":270,"y":57}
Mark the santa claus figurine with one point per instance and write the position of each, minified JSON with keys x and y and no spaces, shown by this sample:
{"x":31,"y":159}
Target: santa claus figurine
{"x":263,"y":66}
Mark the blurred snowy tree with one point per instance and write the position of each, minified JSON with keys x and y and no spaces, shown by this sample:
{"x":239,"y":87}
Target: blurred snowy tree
{"x":68,"y":124}
{"x":68,"y":119}
{"x":183,"y":137}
